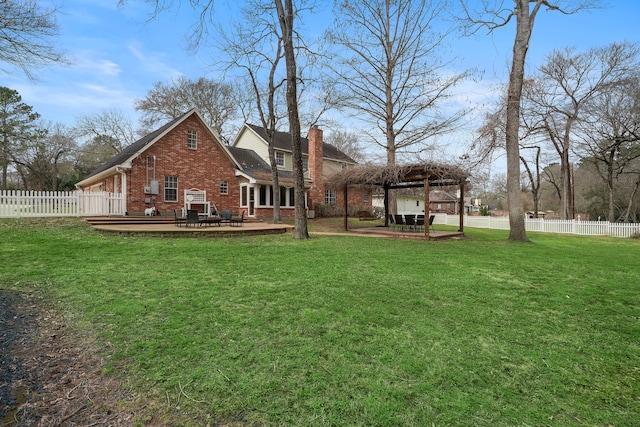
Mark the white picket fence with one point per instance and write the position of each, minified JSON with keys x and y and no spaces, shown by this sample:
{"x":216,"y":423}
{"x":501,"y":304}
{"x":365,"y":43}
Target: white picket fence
{"x":585,"y":228}
{"x":18,"y":204}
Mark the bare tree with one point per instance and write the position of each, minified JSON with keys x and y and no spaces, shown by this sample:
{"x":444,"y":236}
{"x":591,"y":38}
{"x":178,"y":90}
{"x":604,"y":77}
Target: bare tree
{"x":286,"y":14}
{"x":609,"y":133}
{"x":257,"y":50}
{"x":493,"y":15}
{"x":558,"y":99}
{"x":92,"y":154}
{"x":387,"y":71}
{"x":109,"y":125}
{"x":216,"y":101}
{"x":26,"y":36}
{"x":534,"y":176}
{"x":348,"y":143}
{"x":491,"y":138}
{"x":40,"y":159}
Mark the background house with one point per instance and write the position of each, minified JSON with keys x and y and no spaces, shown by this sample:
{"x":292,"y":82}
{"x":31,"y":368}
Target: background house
{"x":185,"y":154}
{"x":409,"y":202}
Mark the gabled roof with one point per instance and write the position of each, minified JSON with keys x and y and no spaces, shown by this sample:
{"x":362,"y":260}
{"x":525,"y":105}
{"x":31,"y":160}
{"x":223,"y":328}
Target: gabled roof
{"x":282,"y":141}
{"x":442,"y":196}
{"x":124,"y":158}
{"x":134,"y":148}
{"x":253,"y":166}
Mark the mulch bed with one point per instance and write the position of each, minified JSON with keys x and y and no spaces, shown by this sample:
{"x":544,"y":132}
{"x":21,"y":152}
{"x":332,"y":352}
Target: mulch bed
{"x":51,"y":377}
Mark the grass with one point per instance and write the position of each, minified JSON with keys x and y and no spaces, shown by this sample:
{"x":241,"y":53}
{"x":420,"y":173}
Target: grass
{"x":354,"y":331}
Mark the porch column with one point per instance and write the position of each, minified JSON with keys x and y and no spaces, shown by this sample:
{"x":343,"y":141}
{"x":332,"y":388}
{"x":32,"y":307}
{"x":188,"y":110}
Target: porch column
{"x":123,"y":192}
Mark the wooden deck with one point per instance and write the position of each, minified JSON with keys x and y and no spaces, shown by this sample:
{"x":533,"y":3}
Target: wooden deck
{"x":165,"y":226}
{"x":397,"y":233}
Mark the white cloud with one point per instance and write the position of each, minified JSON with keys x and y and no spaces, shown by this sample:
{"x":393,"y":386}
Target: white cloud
{"x":156,"y":65}
{"x":86,"y":62}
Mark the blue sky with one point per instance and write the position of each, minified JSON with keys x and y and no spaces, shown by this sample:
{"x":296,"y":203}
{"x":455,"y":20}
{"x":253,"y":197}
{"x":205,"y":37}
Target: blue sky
{"x":118,"y":55}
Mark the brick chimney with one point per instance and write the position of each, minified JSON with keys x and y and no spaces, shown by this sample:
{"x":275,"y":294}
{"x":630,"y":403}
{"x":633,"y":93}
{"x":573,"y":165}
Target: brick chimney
{"x":316,"y":153}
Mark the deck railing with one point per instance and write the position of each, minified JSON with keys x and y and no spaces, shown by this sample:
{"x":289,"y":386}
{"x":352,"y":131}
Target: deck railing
{"x":18,"y":204}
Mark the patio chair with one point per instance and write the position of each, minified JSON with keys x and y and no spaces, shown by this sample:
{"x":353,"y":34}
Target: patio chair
{"x":192,"y":217}
{"x":399,"y":221}
{"x":237,"y":220}
{"x":225,"y":215}
{"x":392,"y":221}
{"x":419,"y":222}
{"x":410,"y":221}
{"x":179,"y":218}
{"x":431,"y":218}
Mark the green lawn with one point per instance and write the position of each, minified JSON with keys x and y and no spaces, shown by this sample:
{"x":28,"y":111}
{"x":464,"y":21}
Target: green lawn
{"x":353,"y":331}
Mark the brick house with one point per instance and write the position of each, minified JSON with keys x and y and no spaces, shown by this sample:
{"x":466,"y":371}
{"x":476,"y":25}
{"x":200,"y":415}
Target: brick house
{"x":319,"y":160}
{"x":186,"y":154}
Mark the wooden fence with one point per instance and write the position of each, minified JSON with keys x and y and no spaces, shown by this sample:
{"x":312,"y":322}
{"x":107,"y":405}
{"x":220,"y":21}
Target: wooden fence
{"x":586,"y":228}
{"x":18,"y":204}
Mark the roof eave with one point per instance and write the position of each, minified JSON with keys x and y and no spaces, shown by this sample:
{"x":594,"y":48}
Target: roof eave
{"x":104,"y":174}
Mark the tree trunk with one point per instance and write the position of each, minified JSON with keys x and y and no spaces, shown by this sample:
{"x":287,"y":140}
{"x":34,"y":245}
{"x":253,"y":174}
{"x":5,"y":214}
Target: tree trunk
{"x":4,"y":160}
{"x":275,"y":184}
{"x":285,"y":17}
{"x":391,"y":160}
{"x":630,"y":205}
{"x":565,"y":179}
{"x":524,"y":26}
{"x":611,"y":211}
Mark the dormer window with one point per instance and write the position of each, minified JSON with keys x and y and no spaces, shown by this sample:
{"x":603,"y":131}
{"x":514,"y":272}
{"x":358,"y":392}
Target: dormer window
{"x":192,"y":139}
{"x":280,"y":159}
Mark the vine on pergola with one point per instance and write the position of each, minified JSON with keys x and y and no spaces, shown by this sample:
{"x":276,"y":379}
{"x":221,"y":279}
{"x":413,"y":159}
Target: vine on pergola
{"x":393,"y":176}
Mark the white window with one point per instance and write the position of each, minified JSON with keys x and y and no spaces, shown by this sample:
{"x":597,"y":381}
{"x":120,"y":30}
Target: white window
{"x":170,"y":188}
{"x":329,"y":197}
{"x":244,"y":200}
{"x":280,"y":159}
{"x":224,"y":187}
{"x":265,"y":195}
{"x":287,"y":197}
{"x":192,"y":139}
{"x":305,"y":163}
{"x":365,"y":196}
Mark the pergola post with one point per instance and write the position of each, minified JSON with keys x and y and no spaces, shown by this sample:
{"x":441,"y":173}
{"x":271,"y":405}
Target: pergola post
{"x":346,"y":209}
{"x":461,"y":210}
{"x":426,"y":208}
{"x":386,"y":205}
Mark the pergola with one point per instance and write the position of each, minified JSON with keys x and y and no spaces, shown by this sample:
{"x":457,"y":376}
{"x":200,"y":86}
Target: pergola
{"x":424,"y":175}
